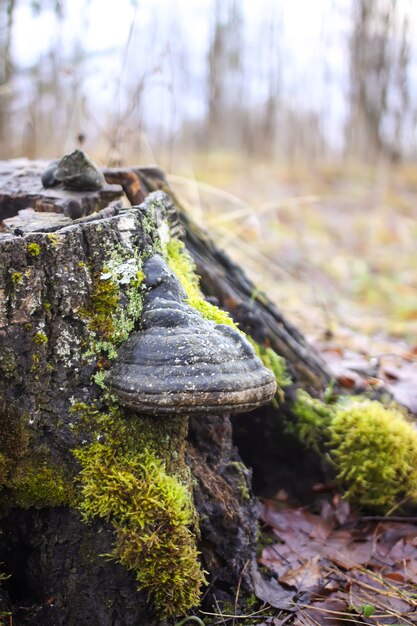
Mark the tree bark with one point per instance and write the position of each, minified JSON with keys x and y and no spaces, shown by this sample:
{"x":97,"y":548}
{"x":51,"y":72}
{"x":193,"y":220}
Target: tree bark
{"x":57,"y":572}
{"x":58,"y":575}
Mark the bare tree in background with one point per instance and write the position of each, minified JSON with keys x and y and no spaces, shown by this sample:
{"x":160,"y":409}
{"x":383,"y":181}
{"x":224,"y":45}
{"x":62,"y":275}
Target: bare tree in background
{"x":379,"y":97}
{"x":268,"y":118}
{"x":225,"y":70}
{"x":7,"y":8}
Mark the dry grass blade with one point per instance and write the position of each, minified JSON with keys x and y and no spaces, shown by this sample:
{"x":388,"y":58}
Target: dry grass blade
{"x":235,"y":616}
{"x":251,"y":252}
{"x":339,"y":614}
{"x":220,"y":193}
{"x":389,"y":591}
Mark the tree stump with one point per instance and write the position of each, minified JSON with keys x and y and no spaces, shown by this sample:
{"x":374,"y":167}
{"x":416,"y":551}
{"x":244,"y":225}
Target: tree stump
{"x":68,"y":298}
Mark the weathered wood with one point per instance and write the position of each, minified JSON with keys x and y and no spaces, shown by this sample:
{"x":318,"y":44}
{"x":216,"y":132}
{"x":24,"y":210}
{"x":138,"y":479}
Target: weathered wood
{"x":21,"y":188}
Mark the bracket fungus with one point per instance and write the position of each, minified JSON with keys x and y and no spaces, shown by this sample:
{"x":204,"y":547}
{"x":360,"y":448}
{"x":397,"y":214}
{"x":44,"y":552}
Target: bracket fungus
{"x":183,"y":363}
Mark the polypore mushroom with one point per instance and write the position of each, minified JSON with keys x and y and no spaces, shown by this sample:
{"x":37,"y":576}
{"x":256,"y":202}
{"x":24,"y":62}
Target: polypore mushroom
{"x":180,"y":362}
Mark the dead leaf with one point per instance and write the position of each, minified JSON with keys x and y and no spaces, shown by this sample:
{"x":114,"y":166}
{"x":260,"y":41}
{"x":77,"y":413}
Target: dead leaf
{"x":372,"y":564}
{"x":307,"y":577}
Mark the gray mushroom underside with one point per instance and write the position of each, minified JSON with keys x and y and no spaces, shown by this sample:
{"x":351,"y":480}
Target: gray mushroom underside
{"x":196,"y":373}
{"x":210,"y":403}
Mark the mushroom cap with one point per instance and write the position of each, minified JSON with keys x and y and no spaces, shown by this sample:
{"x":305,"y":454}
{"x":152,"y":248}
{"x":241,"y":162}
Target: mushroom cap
{"x":183,"y":363}
{"x":75,"y":171}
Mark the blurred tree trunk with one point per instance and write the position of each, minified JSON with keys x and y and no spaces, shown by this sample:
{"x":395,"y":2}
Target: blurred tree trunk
{"x":225,"y":73}
{"x":7,"y":8}
{"x":379,"y":62}
{"x":268,"y":126}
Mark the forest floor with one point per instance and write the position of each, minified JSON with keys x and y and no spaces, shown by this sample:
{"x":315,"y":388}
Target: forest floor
{"x":333,"y":246}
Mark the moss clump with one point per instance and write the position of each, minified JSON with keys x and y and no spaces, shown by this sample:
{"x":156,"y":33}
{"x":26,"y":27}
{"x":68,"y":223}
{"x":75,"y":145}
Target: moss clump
{"x":148,"y":501}
{"x":40,"y":341}
{"x":39,"y":486}
{"x":36,"y":358}
{"x":17,"y":277}
{"x":104,"y":301}
{"x":151,"y":513}
{"x":115,"y":304}
{"x":375,"y":451}
{"x":33,"y":249}
{"x":54,"y":239}
{"x":40,"y":338}
{"x":27,"y":477}
{"x":313,"y":418}
{"x":373,"y":448}
{"x":182,"y":264}
{"x":276,"y":364}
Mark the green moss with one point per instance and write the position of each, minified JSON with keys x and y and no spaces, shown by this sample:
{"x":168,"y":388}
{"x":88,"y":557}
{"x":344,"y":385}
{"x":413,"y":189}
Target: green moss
{"x":33,"y":249}
{"x":133,"y":475}
{"x":54,"y":239}
{"x":99,"y":378}
{"x":373,"y":448}
{"x":36,"y":358}
{"x":27,"y":477}
{"x":40,"y":341}
{"x":313,"y":418}
{"x":40,"y":338}
{"x":39,"y":486}
{"x":276,"y":364}
{"x":151,"y":513}
{"x":375,"y":452}
{"x":104,"y":302}
{"x":243,"y":477}
{"x":115,"y":303}
{"x":182,"y":264}
{"x":8,"y":364}
{"x":17,"y":277}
